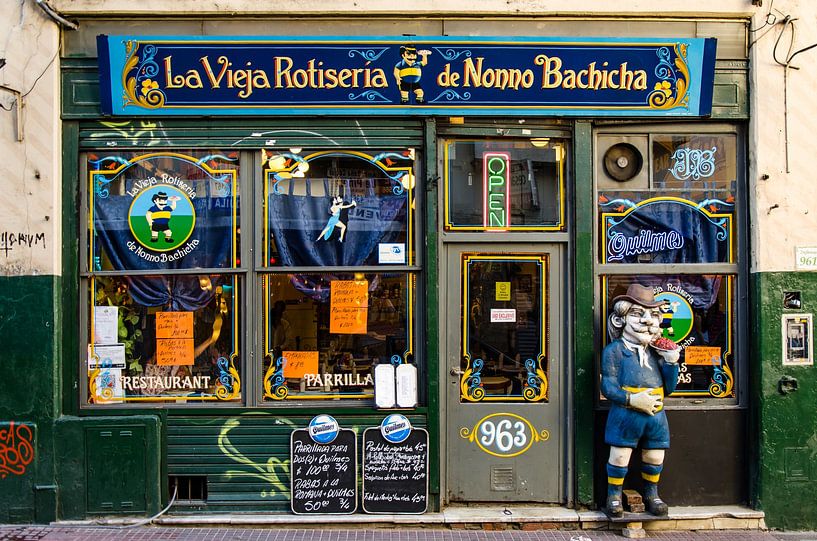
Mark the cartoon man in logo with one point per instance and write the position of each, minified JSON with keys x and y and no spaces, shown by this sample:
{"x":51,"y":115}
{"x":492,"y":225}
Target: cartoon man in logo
{"x":635,"y":377}
{"x":158,"y":216}
{"x":409,"y":71}
{"x":334,"y":219}
{"x":668,"y":310}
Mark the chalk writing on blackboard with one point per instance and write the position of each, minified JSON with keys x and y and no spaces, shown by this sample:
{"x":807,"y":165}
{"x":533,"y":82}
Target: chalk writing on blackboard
{"x":324,"y":476}
{"x":395,"y":475}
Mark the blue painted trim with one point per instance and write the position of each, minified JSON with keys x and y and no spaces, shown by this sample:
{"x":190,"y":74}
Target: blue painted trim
{"x":104,"y":73}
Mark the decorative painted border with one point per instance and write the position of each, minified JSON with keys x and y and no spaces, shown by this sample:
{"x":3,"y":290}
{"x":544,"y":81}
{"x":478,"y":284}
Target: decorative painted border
{"x":536,"y":386}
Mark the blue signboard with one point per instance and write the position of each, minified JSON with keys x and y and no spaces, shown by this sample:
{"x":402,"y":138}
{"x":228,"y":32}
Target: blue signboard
{"x":419,"y":75}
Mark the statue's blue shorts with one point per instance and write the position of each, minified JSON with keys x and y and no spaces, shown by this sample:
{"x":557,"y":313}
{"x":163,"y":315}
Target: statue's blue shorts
{"x":628,"y":428}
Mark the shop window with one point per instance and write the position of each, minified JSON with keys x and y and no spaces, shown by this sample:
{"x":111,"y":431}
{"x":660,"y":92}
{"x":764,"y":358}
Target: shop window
{"x":331,"y":221}
{"x":683,"y":213}
{"x":668,"y":213}
{"x":163,"y":238}
{"x":502,"y":185}
{"x":324,"y":333}
{"x":699,"y":316}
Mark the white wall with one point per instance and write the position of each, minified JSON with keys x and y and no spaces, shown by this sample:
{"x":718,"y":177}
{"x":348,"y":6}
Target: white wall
{"x":784,"y":206}
{"x":29,"y":169}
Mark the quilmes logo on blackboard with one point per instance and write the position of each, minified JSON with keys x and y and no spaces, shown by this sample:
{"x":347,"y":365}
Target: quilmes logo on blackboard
{"x":323,"y":429}
{"x":395,"y":428}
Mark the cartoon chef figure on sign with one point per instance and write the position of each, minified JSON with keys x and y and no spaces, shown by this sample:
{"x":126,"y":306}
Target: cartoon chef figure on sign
{"x":409,"y":71}
{"x":638,"y":369}
{"x":158,"y":216}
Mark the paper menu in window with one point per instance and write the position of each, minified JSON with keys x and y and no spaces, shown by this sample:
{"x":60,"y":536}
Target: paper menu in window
{"x":299,"y":363}
{"x":174,"y":351}
{"x":174,"y":325}
{"x":106,"y":356}
{"x":108,"y":386}
{"x":106,"y":324}
{"x":349,"y":307}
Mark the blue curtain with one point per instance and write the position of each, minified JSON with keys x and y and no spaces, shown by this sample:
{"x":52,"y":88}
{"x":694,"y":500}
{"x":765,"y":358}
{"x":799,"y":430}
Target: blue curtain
{"x":178,"y":293}
{"x":213,"y":231}
{"x":705,"y":239}
{"x":297,"y":220}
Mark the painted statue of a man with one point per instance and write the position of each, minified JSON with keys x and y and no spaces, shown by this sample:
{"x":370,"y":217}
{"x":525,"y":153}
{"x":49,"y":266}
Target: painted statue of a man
{"x":635,"y":378}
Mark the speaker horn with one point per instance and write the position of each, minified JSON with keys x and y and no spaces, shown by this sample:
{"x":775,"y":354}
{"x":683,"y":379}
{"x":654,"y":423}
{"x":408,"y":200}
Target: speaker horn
{"x":623,"y":162}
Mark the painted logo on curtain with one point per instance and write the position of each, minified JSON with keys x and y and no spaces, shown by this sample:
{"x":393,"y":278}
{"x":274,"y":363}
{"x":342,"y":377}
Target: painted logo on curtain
{"x":163,"y":210}
{"x":162,"y":218}
{"x":676,"y":314}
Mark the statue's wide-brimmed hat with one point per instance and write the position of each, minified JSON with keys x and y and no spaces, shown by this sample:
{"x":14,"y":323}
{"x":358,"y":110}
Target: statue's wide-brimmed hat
{"x":641,"y":295}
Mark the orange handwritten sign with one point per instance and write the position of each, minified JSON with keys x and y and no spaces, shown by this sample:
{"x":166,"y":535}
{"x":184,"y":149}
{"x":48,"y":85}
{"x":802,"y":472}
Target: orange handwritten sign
{"x":174,"y":325}
{"x":300,"y":363}
{"x":702,"y":355}
{"x":173,"y":351}
{"x":349,"y":307}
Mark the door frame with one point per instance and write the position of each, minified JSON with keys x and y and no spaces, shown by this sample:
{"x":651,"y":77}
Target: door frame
{"x":438,"y":133}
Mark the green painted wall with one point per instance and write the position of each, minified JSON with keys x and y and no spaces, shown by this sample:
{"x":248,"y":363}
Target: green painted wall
{"x":27,"y":397}
{"x":785,"y":425}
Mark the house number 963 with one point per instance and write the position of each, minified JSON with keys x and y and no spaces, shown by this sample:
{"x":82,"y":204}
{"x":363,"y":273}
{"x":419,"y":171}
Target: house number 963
{"x":503,"y":434}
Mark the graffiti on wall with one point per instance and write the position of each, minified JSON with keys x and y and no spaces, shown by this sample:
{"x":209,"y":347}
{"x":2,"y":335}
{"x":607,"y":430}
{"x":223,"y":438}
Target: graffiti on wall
{"x":270,"y":471}
{"x":9,"y":240}
{"x":16,"y":449}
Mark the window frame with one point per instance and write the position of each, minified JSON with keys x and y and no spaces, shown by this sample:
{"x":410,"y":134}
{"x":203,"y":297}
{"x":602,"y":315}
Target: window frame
{"x":87,"y":276}
{"x":415,"y":228}
{"x":738,"y":268}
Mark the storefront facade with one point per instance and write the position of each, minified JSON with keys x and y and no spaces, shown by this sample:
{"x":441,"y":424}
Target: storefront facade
{"x":258,"y":213}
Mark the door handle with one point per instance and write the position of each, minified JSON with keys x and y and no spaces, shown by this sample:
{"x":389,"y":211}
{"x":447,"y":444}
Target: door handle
{"x":456,"y":371}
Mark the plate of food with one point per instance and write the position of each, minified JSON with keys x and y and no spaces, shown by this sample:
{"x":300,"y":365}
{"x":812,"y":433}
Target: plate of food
{"x":664,"y":344}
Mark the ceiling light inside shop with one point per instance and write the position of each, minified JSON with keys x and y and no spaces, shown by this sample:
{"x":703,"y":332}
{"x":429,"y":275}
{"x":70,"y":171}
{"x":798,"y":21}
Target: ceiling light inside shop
{"x":540,"y":142}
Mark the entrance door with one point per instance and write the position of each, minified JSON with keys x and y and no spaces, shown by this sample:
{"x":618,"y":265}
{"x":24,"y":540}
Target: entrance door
{"x":502,"y":320}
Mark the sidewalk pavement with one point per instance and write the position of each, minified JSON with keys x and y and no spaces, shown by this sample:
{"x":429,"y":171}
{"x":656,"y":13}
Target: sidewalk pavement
{"x":153,"y":533}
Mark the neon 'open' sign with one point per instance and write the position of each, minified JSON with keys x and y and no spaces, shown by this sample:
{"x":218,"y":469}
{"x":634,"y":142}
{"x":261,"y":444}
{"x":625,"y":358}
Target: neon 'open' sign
{"x":496,"y":196}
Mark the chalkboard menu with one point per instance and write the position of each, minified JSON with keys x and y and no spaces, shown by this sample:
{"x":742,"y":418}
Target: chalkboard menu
{"x":324,"y":475}
{"x":395,"y":475}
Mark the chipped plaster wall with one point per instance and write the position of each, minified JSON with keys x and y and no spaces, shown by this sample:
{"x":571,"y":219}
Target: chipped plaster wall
{"x":784,"y":205}
{"x":29,"y":169}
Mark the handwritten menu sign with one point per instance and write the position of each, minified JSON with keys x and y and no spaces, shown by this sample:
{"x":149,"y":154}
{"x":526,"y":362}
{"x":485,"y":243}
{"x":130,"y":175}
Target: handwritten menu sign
{"x":702,"y":355}
{"x":174,"y":338}
{"x":174,"y":325}
{"x":299,"y":363}
{"x":324,"y":476}
{"x":171,"y":352}
{"x":349,"y":302}
{"x":395,"y":475}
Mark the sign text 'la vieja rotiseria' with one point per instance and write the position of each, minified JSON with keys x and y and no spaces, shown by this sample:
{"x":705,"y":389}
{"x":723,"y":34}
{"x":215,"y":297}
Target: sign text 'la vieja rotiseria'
{"x":605,"y":76}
